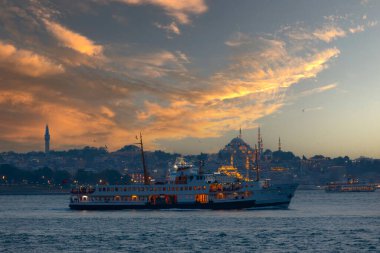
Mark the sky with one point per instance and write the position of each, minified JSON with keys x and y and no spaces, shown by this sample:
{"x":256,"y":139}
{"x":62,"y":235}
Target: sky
{"x":190,"y":74}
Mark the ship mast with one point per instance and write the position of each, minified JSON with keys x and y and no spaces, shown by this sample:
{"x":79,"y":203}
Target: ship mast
{"x":146,"y":175}
{"x":257,"y":164}
{"x":200,"y":170}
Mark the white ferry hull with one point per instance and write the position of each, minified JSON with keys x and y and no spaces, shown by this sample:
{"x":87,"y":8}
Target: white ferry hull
{"x":249,"y":204}
{"x":272,"y":198}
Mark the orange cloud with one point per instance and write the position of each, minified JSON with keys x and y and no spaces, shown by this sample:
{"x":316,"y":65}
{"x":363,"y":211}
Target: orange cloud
{"x":171,"y":28}
{"x":251,"y":87}
{"x":70,"y":124}
{"x":73,"y":40}
{"x":178,"y":9}
{"x":154,"y":92}
{"x":16,"y":97}
{"x":26,"y":62}
{"x":107,"y":111}
{"x":329,"y":33}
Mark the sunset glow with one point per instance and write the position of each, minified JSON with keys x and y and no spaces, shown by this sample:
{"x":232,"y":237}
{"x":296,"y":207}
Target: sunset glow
{"x":185,"y":72}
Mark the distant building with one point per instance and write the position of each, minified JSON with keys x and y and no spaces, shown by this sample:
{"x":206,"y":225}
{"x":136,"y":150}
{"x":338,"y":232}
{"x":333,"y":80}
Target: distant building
{"x":47,"y":139}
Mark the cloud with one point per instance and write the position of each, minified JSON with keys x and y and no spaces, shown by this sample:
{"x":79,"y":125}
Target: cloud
{"x":329,"y":33}
{"x":73,"y":40}
{"x":171,"y":28}
{"x":157,"y":93}
{"x":372,"y":23}
{"x":238,"y":39}
{"x":16,"y":97}
{"x":120,"y":19}
{"x":107,"y":111}
{"x":178,"y":9}
{"x":251,"y":87}
{"x":311,"y":109}
{"x":315,"y":90}
{"x":358,"y":28}
{"x":155,"y":64}
{"x":326,"y":87}
{"x":26,"y":62}
{"x":158,"y":90}
{"x":72,"y":123}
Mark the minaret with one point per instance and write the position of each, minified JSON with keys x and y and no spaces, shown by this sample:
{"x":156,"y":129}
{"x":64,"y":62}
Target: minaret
{"x":279,"y":144}
{"x":259,"y":143}
{"x":47,"y":140}
{"x":240,"y":133}
{"x":258,"y":137}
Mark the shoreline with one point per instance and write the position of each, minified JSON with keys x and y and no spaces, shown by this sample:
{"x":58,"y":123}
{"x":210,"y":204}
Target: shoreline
{"x":32,"y":190}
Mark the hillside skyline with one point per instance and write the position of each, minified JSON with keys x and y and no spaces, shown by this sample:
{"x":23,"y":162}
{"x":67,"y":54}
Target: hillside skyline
{"x":218,"y":149}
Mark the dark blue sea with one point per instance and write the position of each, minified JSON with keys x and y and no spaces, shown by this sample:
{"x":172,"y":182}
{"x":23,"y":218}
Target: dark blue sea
{"x":315,"y":222}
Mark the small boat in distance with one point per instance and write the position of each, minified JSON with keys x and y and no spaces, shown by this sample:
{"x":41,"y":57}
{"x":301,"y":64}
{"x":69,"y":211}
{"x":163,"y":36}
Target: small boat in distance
{"x":352,"y":185}
{"x":186,"y":187}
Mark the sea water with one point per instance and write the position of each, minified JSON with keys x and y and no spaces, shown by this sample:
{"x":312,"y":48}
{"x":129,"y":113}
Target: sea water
{"x":315,"y":222}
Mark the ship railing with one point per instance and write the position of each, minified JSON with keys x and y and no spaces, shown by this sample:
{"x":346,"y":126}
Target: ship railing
{"x":82,"y":190}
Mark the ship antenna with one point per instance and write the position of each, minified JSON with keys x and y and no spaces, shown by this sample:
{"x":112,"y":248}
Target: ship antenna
{"x":257,"y":165}
{"x":146,"y":176}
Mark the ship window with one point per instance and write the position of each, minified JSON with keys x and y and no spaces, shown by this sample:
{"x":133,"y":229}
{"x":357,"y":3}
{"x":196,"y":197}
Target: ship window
{"x":185,"y":188}
{"x":199,"y":188}
{"x":181,"y":188}
{"x":204,"y":187}
{"x":195,"y":188}
{"x":220,"y":196}
{"x":100,"y":189}
{"x":164,"y":189}
{"x":190,"y":188}
{"x":108,"y":189}
{"x":177,"y":188}
{"x":116,"y":189}
{"x":125,"y":189}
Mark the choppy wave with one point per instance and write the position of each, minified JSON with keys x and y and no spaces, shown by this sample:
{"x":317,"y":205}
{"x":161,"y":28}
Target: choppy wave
{"x":315,"y":222}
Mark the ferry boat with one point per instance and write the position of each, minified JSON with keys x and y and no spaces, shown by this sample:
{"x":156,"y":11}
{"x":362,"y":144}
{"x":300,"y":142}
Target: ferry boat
{"x":352,"y":185}
{"x":186,"y":187}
